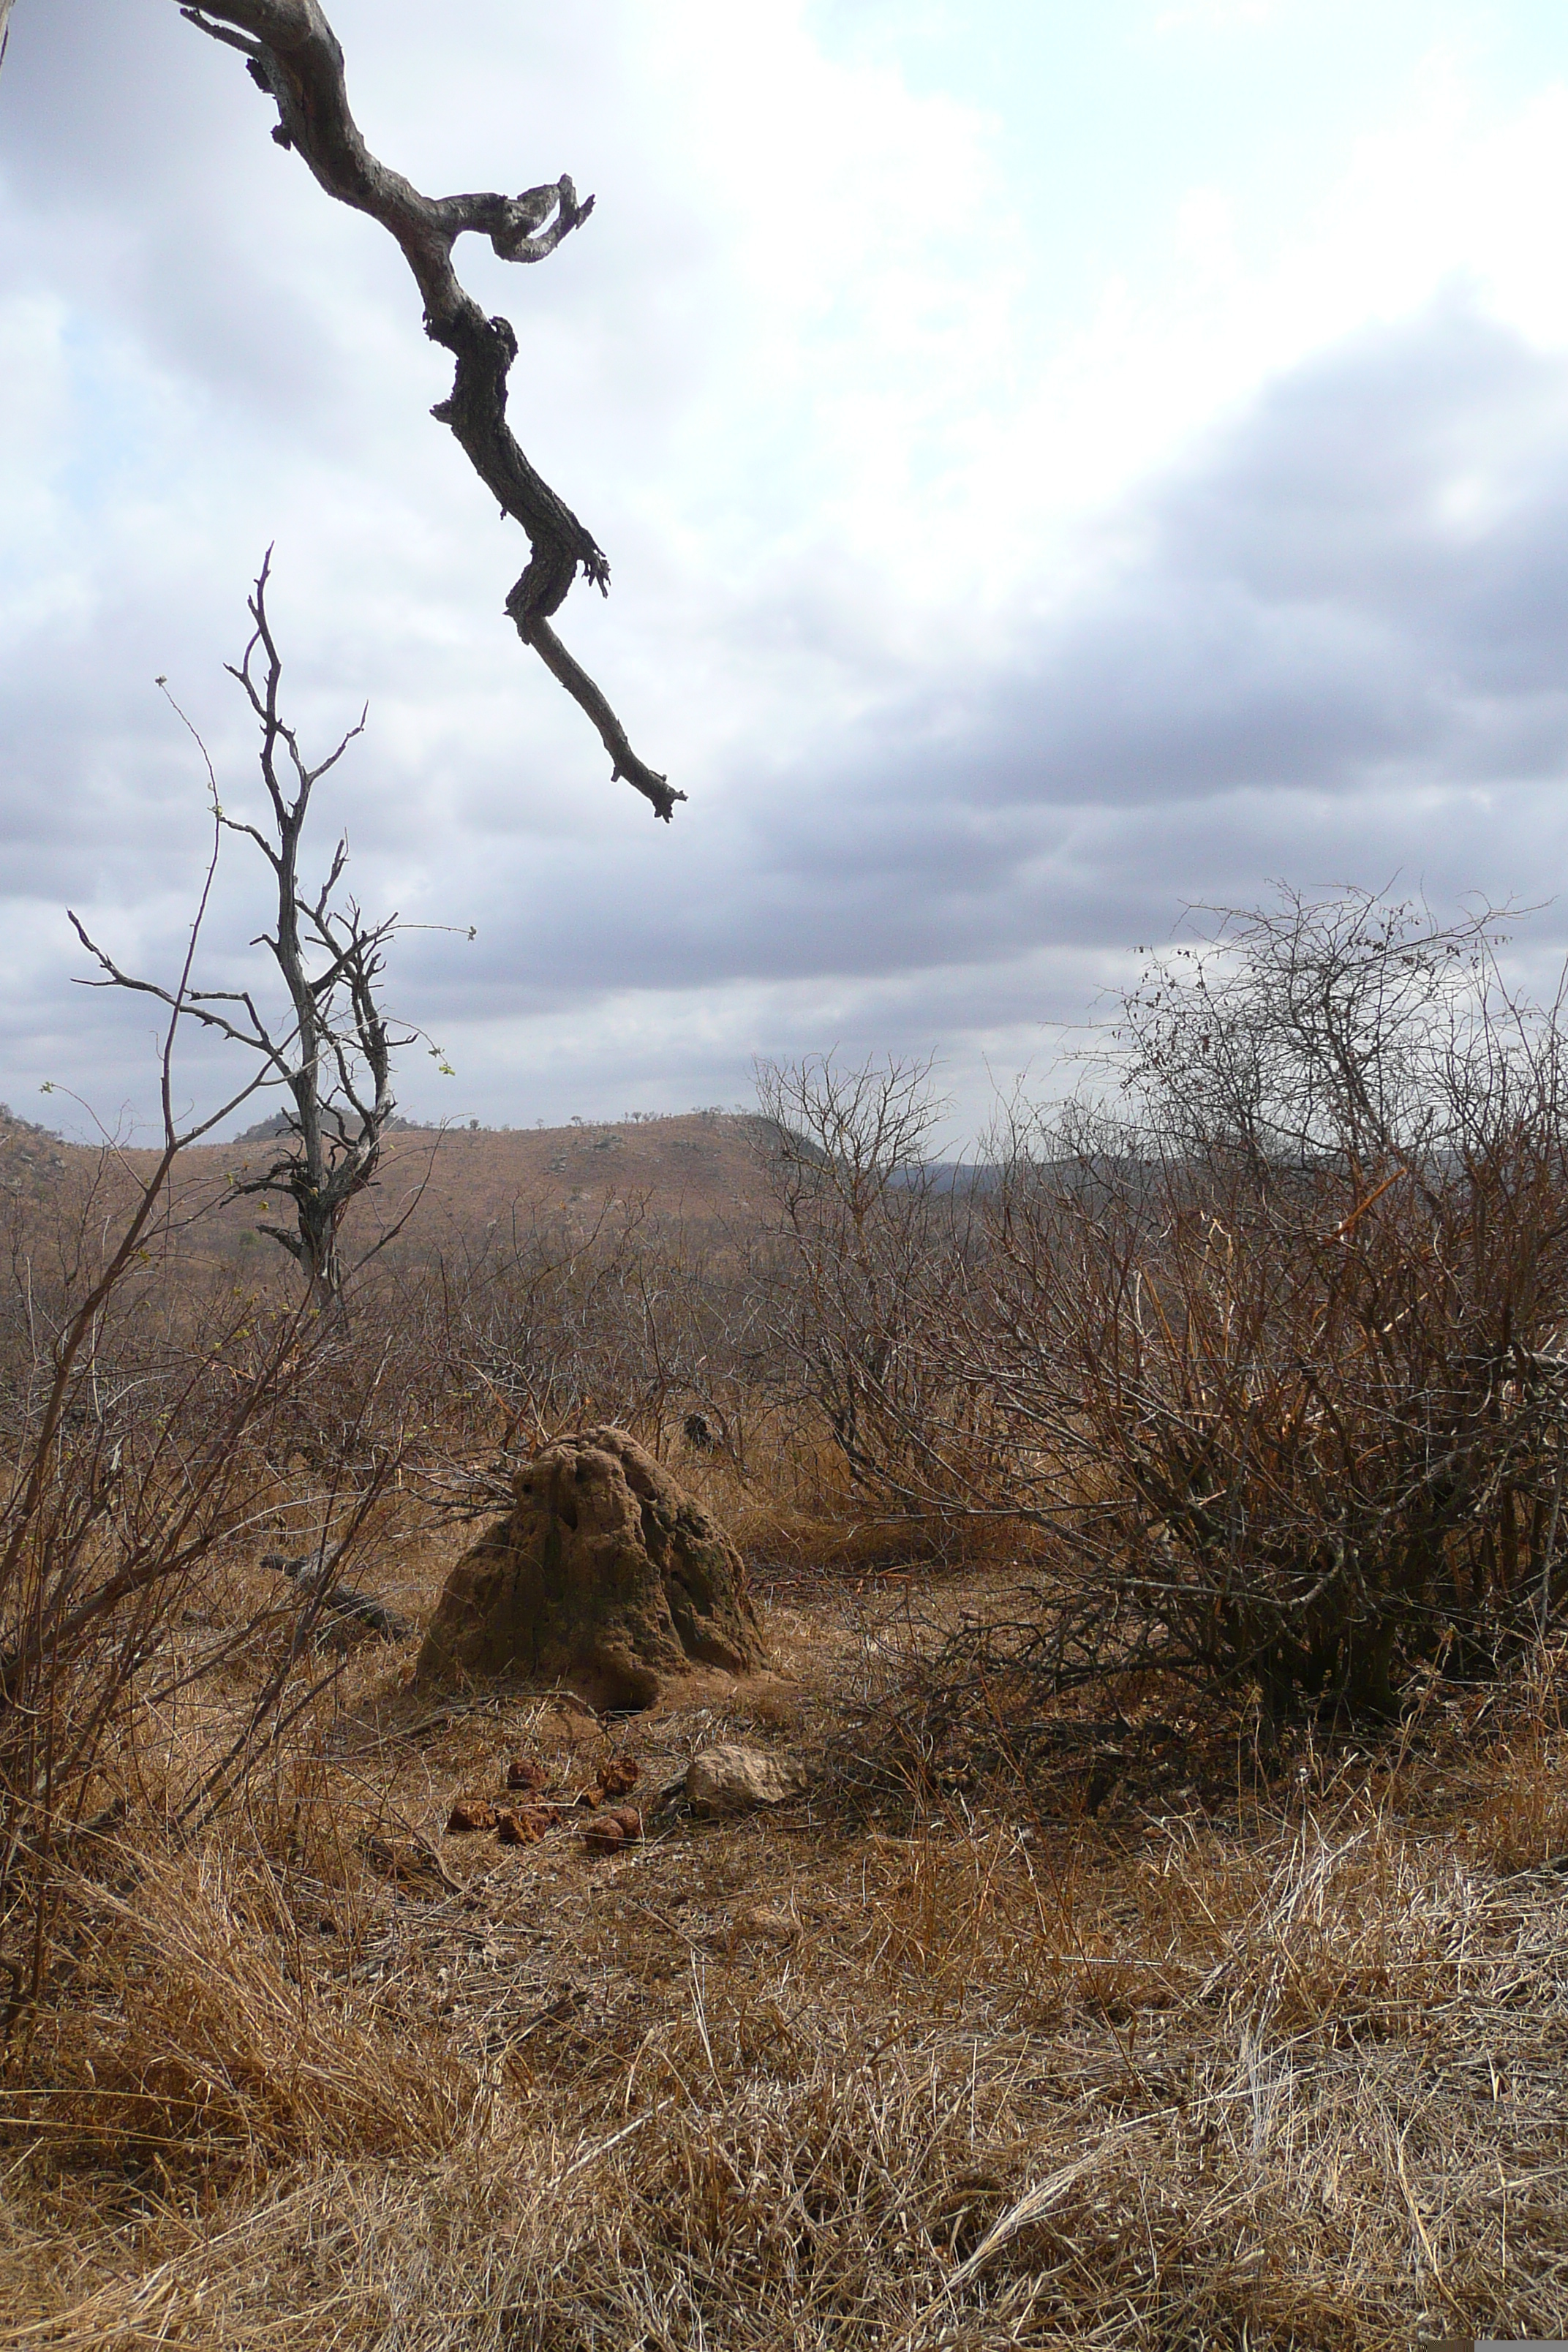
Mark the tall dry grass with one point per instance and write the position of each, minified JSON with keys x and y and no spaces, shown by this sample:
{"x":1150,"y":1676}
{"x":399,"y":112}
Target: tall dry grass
{"x":1287,"y":2079}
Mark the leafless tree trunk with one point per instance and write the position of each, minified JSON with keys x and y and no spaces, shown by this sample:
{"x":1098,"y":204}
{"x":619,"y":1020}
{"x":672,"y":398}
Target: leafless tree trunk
{"x":334,"y":1059}
{"x":293,"y":55}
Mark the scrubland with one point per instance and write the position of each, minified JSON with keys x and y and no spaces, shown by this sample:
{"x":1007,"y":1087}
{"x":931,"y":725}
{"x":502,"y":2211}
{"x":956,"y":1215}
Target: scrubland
{"x":1263,"y":2058}
{"x":1159,"y":1559}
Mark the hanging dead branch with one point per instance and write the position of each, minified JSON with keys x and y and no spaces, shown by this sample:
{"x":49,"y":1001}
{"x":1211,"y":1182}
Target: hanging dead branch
{"x":293,"y":55}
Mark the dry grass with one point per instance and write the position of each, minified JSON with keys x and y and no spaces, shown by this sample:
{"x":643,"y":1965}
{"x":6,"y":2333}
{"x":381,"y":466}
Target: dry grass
{"x":936,"y":2058}
{"x":1287,"y":2077}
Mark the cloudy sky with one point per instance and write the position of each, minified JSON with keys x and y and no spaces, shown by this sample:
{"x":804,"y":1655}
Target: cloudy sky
{"x":1057,"y":464}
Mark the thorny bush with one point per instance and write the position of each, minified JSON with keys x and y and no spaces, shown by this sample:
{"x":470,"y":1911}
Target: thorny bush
{"x":1259,"y":1349}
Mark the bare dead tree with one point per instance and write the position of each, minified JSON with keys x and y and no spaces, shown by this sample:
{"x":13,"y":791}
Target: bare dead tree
{"x":333,"y":1058}
{"x":293,"y":55}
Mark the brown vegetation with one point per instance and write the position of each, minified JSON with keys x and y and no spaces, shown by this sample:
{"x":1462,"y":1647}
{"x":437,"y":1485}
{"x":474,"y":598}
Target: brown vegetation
{"x":1101,"y":1971}
{"x":1277,"y":2069}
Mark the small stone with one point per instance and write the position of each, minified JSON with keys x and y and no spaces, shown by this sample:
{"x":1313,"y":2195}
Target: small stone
{"x":526,"y":1772}
{"x":733,"y":1780}
{"x":603,"y":1835}
{"x":523,"y":1824}
{"x":471,"y":1814}
{"x":628,"y":1819}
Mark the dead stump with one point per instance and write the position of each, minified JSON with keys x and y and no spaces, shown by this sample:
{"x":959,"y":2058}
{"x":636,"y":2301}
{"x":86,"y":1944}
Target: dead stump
{"x":608,"y":1577}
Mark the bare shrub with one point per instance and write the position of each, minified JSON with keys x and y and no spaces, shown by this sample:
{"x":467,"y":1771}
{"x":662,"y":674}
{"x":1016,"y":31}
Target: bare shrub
{"x":550,"y":1324}
{"x":140,"y":1415}
{"x":142,"y":1453}
{"x":874,"y":1272}
{"x":1262,"y":1352}
{"x":1284,"y":1340}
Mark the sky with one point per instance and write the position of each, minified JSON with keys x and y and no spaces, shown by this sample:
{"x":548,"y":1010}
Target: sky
{"x":1058,"y":466}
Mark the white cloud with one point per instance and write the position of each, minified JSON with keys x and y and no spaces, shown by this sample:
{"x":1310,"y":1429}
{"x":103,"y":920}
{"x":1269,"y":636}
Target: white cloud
{"x":980,"y":628}
{"x":1217,"y":15}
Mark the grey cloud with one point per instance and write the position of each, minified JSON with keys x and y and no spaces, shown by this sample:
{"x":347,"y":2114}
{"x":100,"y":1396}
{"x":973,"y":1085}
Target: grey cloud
{"x":1334,"y":649}
{"x":1306,"y":611}
{"x":1307,"y":660}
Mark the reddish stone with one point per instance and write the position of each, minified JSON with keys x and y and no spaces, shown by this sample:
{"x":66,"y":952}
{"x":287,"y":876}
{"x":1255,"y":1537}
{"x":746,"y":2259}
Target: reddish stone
{"x":524,"y":1825}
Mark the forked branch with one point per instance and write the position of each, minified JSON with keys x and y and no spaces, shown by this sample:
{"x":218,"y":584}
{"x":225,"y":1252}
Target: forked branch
{"x":332,"y":1049}
{"x":293,"y":53}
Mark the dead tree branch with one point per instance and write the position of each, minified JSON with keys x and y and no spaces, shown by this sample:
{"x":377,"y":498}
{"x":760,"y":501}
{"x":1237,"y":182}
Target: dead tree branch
{"x":292,"y":54}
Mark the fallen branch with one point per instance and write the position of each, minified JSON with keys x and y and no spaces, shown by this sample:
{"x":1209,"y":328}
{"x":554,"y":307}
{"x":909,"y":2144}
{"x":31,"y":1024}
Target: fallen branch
{"x":341,"y":1600}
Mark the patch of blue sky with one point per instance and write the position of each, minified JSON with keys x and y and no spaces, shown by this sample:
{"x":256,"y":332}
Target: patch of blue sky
{"x":120,"y":426}
{"x":1107,"y":119}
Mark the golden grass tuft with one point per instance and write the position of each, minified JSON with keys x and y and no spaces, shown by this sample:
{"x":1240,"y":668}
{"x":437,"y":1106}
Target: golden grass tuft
{"x":193,"y":2036}
{"x":1289,"y":2079}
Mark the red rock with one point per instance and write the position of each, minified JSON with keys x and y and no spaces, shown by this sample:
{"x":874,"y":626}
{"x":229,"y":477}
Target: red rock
{"x":619,"y":1777}
{"x":526,"y":1772}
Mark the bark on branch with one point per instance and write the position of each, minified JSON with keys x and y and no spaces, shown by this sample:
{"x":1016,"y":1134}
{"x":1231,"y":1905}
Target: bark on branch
{"x":341,"y":1600}
{"x":293,"y":53}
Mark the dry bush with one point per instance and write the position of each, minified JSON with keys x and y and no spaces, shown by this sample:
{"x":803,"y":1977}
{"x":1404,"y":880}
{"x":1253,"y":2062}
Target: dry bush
{"x":1286,"y":1343}
{"x":1265,"y":1362}
{"x":638,"y":1320}
{"x":154,"y":1427}
{"x":658,"y":1325}
{"x":872,"y":1272}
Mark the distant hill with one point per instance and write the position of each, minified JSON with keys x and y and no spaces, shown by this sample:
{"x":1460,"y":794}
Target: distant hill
{"x":32,"y":1158}
{"x":707,"y":1169}
{"x":961,"y":1176}
{"x":702,"y":1168}
{"x":267,"y":1131}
